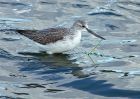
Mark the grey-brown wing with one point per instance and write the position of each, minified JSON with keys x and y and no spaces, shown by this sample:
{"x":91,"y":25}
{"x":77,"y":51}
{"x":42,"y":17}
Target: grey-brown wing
{"x":45,"y":36}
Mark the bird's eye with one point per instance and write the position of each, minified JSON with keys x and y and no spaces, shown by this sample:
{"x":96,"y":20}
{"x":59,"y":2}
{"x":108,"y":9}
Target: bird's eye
{"x":83,"y":26}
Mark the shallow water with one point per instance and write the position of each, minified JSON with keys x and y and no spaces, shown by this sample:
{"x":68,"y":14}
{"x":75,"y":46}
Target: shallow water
{"x":27,"y":74}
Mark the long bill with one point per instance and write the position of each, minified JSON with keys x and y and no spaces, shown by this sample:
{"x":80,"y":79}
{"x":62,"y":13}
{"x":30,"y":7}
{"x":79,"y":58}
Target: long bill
{"x":90,"y":31}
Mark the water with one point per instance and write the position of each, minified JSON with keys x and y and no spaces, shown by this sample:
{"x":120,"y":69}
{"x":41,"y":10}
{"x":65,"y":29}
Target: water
{"x":27,"y":74}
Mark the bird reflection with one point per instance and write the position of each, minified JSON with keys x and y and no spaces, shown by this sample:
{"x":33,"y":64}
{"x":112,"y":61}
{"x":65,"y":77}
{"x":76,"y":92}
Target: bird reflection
{"x":44,"y":64}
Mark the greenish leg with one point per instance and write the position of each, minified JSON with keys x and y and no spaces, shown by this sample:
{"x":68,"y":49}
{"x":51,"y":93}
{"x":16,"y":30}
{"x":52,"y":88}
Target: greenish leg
{"x":96,"y":46}
{"x":88,"y":54}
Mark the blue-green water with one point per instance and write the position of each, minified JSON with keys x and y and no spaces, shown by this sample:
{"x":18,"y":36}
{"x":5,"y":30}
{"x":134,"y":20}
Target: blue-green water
{"x":27,"y":74}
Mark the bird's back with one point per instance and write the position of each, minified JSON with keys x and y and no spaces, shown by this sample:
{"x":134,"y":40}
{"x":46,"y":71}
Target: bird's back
{"x":45,"y":36}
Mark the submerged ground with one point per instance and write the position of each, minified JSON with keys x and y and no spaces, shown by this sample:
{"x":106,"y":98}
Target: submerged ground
{"x":26,"y":74}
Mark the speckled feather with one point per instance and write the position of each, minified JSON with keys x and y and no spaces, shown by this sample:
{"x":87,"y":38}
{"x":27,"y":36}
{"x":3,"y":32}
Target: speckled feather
{"x":45,"y":36}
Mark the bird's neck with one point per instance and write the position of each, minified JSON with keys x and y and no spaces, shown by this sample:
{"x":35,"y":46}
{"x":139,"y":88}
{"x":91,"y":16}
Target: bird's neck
{"x":74,"y":30}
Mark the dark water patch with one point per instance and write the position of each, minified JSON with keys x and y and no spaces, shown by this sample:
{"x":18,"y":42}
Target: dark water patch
{"x":15,"y":75}
{"x":7,"y":31}
{"x":15,"y":5}
{"x":112,"y":27}
{"x":123,"y":57}
{"x":32,"y":66}
{"x":53,"y":90}
{"x":3,"y":52}
{"x":76,"y":5}
{"x":6,"y":55}
{"x":60,"y":70}
{"x":33,"y":85}
{"x":106,"y":13}
{"x":133,"y":45}
{"x":18,"y":93}
{"x":101,"y":87}
{"x":47,"y":2}
{"x":108,"y":71}
{"x":12,"y":4}
{"x":34,"y":54}
{"x":131,"y":56}
{"x":55,"y":71}
{"x":9,"y":39}
{"x":125,"y":74}
{"x":115,"y":71}
{"x":52,"y":77}
{"x":43,"y":69}
{"x":81,"y":6}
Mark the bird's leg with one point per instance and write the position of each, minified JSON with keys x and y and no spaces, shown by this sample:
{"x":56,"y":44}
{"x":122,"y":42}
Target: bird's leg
{"x":95,"y":46}
{"x":89,"y":53}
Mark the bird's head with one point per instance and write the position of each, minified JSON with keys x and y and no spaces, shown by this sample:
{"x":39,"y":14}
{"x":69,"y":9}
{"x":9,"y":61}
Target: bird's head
{"x":81,"y":25}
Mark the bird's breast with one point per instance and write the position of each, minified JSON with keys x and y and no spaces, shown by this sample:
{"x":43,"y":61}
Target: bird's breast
{"x":67,"y":43}
{"x":75,"y":39}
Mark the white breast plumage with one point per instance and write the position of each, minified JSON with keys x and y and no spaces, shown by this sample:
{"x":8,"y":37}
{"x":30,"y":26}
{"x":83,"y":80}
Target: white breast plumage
{"x":68,"y":43}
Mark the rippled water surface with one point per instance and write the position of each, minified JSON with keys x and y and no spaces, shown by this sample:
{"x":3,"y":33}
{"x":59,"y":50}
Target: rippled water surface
{"x":109,"y":72}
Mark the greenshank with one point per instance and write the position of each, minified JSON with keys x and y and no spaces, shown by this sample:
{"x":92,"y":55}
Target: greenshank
{"x":58,"y":40}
